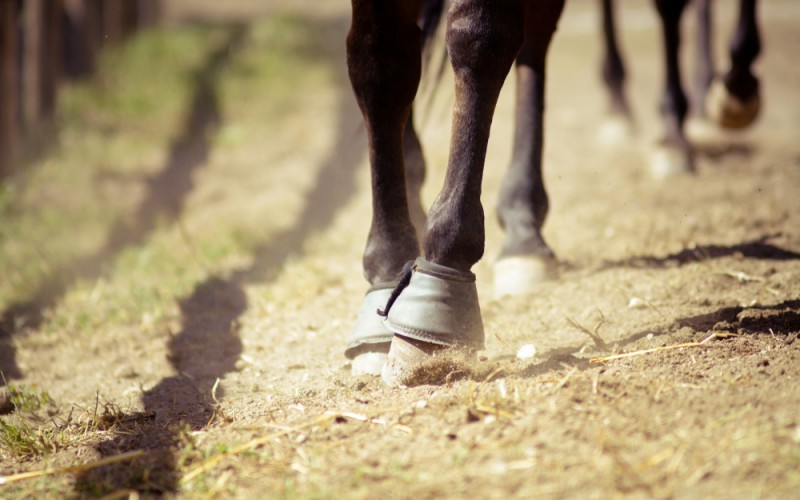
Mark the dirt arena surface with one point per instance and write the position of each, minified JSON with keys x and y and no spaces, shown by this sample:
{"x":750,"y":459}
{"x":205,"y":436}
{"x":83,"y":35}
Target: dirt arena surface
{"x":238,"y":387}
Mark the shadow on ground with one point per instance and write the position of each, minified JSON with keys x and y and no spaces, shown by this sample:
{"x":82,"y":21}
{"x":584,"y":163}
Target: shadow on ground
{"x":780,"y":320}
{"x":760,"y":248}
{"x":208,"y":345}
{"x":163,"y":202}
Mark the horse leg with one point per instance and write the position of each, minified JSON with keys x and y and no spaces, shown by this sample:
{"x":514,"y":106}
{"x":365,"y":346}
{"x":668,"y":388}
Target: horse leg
{"x":734,"y":102}
{"x":525,"y":259}
{"x":704,"y":69}
{"x":674,"y":154}
{"x":620,"y":121}
{"x":438,"y":306}
{"x":383,"y":61}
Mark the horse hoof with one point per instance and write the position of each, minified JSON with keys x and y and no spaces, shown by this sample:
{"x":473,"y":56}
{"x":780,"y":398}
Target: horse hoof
{"x":370,"y":339}
{"x":368,"y":363}
{"x":670,"y":161}
{"x":439,"y":306}
{"x":522,"y":275}
{"x":405,"y":355}
{"x":729,"y":111}
{"x":615,"y":130}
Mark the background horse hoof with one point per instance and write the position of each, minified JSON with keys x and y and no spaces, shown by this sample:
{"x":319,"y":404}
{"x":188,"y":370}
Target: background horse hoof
{"x":670,"y":161}
{"x":405,"y":355}
{"x":615,"y":129}
{"x":522,"y":275}
{"x":729,"y":111}
{"x":368,"y":363}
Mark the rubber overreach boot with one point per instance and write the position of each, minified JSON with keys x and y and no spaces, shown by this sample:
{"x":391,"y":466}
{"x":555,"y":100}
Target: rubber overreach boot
{"x":370,"y":334}
{"x":439,"y":306}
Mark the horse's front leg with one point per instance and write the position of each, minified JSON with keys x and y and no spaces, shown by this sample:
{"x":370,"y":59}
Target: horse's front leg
{"x":674,"y":154}
{"x":383,"y":60}
{"x":734,"y":101}
{"x":439,"y":306}
{"x":525,"y":260}
{"x":704,"y":68}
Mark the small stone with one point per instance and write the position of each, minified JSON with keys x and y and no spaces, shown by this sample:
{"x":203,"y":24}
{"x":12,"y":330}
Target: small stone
{"x":527,"y":351}
{"x":636,"y":303}
{"x":125,"y":372}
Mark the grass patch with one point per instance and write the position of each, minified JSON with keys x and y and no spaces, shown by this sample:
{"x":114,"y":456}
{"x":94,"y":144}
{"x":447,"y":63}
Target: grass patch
{"x":25,"y":433}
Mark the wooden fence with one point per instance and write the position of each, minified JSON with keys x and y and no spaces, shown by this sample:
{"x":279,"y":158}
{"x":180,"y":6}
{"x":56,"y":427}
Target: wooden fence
{"x":43,"y":42}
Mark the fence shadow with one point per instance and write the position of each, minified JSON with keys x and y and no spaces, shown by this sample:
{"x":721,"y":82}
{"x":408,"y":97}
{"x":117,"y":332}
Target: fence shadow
{"x":208,"y":345}
{"x":164,"y":200}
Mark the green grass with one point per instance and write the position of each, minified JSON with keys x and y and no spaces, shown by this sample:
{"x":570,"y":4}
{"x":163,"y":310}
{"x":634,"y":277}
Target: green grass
{"x":114,"y":134}
{"x":25,"y":433}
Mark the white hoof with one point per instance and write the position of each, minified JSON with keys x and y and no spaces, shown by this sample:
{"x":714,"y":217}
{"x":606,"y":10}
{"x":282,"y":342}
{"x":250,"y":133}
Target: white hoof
{"x":615,"y":130}
{"x":670,"y":162}
{"x":368,"y":363}
{"x":522,"y":275}
{"x":729,"y":111}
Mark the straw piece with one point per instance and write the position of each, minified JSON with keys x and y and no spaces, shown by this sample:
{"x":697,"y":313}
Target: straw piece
{"x":596,"y":338}
{"x":74,"y":469}
{"x":328,"y":416}
{"x":213,"y":461}
{"x":718,"y":335}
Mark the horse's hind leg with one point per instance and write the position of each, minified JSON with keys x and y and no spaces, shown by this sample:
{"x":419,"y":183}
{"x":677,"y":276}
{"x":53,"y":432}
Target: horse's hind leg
{"x":704,"y":68}
{"x":734,"y":101}
{"x":619,"y":123}
{"x":383,"y":60}
{"x":439,"y":306}
{"x":674,"y":154}
{"x":525,"y":259}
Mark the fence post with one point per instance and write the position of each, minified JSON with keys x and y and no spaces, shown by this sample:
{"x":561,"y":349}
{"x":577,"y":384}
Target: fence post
{"x":51,"y":57}
{"x":9,"y":87}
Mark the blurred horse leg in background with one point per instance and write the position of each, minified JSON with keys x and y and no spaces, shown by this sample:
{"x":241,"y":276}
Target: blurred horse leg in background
{"x":734,"y":99}
{"x":525,"y":259}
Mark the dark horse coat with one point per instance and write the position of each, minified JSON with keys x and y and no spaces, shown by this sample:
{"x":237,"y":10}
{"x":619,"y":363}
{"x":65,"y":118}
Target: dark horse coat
{"x":422,"y":295}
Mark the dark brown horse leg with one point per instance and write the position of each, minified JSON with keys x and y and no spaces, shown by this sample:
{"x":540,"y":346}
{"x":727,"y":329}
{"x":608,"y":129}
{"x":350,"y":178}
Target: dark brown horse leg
{"x":704,"y":66}
{"x":612,"y":68}
{"x":525,"y":259}
{"x":734,"y":102}
{"x":439,"y":306}
{"x":383,"y":61}
{"x":674,"y":154}
{"x":619,"y":123}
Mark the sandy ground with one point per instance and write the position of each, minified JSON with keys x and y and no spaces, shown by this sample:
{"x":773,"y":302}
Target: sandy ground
{"x":256,"y":351}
